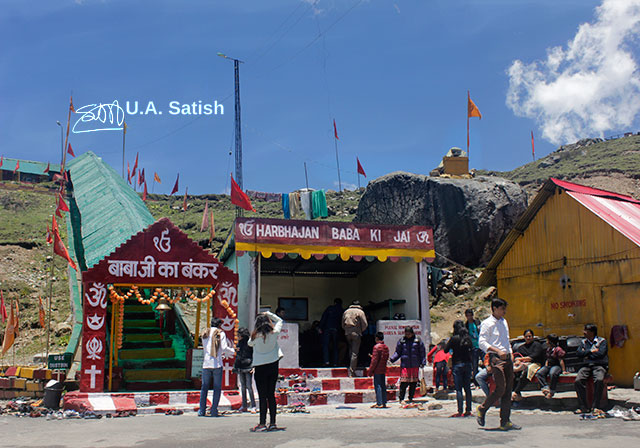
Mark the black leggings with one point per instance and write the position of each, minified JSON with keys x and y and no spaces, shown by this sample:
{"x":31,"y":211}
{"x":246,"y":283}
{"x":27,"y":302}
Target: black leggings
{"x":403,"y":389}
{"x":266,"y":377}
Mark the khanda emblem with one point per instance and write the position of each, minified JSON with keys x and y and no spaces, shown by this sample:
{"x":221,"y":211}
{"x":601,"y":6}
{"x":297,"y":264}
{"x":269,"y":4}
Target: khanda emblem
{"x":94,"y":348}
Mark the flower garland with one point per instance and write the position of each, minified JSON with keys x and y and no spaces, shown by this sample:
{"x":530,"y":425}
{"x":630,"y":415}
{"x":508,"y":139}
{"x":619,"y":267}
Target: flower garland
{"x":117,"y":301}
{"x":232,"y":315}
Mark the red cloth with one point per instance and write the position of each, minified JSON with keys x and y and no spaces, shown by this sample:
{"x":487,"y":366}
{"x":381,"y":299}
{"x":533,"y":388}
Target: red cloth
{"x":436,"y":354}
{"x":409,"y":375}
{"x":379,"y":359}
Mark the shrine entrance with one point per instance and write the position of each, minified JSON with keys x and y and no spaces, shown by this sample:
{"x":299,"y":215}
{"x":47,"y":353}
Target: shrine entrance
{"x":141,"y":340}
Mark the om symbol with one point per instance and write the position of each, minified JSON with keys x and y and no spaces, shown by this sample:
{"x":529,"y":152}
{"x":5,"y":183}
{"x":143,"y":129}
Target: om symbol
{"x":99,"y":296}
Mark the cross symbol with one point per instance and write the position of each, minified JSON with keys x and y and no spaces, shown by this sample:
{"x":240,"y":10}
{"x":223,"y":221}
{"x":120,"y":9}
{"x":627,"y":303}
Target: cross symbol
{"x":227,"y":369}
{"x":93,"y":372}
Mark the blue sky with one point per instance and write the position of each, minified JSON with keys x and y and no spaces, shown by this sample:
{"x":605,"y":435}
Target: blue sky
{"x":393,"y":73}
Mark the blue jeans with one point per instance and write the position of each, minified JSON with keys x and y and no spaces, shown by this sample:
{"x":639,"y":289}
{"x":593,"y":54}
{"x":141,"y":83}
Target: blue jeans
{"x":380,"y":385}
{"x":481,"y":379}
{"x":462,"y":380}
{"x":476,"y":355}
{"x":441,"y":374}
{"x":330,"y":337}
{"x":553,"y":372}
{"x":210,"y":376}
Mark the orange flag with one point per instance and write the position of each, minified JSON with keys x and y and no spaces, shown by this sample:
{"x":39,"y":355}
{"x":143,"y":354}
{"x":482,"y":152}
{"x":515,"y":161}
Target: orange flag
{"x":41,"y":313}
{"x":205,"y":217}
{"x":335,"y":130}
{"x":59,"y":247}
{"x":212,"y":228}
{"x":156,"y":178}
{"x":1,"y":160}
{"x":62,"y":206}
{"x":70,"y":151}
{"x":144,"y":194}
{"x":16,"y":322}
{"x":9,"y":332}
{"x":184,"y":202}
{"x":239,"y":198}
{"x":472,"y":109}
{"x":49,"y":237}
{"x":17,"y":167}
{"x":71,"y":108}
{"x":46,"y":170}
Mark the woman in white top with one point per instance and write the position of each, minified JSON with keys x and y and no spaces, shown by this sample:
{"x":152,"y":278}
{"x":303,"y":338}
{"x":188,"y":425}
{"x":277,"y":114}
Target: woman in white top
{"x":216,"y":346}
{"x":266,"y":356}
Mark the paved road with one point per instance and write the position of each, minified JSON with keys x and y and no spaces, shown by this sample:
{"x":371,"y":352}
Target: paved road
{"x":327,"y":429}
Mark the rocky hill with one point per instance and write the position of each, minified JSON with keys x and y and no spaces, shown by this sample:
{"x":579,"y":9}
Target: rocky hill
{"x":608,"y":164}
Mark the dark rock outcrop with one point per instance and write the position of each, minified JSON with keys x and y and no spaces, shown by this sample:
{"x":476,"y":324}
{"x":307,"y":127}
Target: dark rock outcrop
{"x":470,"y":218}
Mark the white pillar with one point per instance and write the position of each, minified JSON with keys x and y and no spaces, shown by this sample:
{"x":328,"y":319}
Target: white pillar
{"x":423,"y":292}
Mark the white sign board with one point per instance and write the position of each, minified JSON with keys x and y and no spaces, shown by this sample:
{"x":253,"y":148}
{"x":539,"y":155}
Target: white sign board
{"x":288,"y":341}
{"x":197,"y":357}
{"x":393,"y":331}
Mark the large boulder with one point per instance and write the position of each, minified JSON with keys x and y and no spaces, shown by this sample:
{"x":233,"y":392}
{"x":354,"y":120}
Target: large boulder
{"x":470,"y":217}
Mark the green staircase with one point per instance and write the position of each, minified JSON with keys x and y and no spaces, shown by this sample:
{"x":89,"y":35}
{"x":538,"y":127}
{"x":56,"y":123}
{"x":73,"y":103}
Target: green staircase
{"x":151,"y":359}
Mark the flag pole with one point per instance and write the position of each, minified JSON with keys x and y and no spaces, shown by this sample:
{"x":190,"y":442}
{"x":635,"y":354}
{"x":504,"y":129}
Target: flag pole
{"x":50,"y":302}
{"x":306,"y":177}
{"x":335,"y":140}
{"x":124,"y":133}
{"x":468,"y":97}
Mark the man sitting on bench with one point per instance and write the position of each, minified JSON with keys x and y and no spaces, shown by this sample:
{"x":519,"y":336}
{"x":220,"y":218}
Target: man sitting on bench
{"x":593,"y":351}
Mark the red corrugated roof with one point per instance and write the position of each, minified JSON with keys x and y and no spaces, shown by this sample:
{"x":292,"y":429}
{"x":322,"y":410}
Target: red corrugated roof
{"x":569,"y":186}
{"x":624,"y":216}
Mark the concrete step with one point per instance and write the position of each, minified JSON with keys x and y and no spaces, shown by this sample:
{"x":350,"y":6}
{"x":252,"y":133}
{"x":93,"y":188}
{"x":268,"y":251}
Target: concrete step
{"x":154,"y":374}
{"x":147,"y":402}
{"x":336,"y":384}
{"x":139,"y":323}
{"x":171,"y":363}
{"x":146,"y":337}
{"x":147,"y":353}
{"x":332,"y":398}
{"x":332,"y":372}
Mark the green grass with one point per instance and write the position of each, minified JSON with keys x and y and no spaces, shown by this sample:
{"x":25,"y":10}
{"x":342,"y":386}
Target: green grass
{"x":621,"y":155}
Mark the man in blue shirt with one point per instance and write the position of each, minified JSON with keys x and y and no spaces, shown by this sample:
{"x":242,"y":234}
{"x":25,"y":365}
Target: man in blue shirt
{"x":473,"y":327}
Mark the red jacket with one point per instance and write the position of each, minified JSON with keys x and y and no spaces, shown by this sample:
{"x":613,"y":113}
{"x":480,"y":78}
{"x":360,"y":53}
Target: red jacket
{"x":379,"y":359}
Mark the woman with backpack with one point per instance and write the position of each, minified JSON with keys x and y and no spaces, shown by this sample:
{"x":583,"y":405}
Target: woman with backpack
{"x":462,"y":347}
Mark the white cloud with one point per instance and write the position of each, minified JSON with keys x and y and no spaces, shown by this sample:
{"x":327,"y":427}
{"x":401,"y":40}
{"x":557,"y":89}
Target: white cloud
{"x":590,"y":86}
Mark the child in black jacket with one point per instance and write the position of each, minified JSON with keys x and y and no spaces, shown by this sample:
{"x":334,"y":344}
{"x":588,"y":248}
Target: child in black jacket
{"x":242,"y":366}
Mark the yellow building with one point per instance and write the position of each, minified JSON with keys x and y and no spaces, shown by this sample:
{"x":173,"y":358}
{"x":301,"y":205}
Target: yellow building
{"x":574,"y":258}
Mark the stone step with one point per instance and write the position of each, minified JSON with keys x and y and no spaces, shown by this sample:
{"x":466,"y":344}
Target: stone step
{"x":147,"y":353}
{"x":154,"y":374}
{"x":130,"y":307}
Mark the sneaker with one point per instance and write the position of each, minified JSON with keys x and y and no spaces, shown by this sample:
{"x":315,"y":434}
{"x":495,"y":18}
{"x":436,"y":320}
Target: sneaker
{"x":509,"y":426}
{"x":467,"y":414}
{"x":258,"y":428}
{"x":457,"y":414}
{"x":480,"y":416}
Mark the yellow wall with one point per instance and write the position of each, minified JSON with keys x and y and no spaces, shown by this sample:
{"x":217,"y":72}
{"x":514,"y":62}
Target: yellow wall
{"x":597,"y":256}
